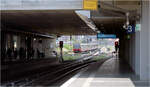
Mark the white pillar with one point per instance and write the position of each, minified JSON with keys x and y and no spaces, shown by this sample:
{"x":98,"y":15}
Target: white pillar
{"x":137,"y":53}
{"x":144,"y":39}
{"x":149,"y":42}
{"x":49,"y":45}
{"x":149,"y":37}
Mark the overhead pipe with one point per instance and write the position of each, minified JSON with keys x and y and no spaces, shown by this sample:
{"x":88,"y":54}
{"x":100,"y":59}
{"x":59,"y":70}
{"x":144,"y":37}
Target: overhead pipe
{"x":117,"y":10}
{"x":114,"y":8}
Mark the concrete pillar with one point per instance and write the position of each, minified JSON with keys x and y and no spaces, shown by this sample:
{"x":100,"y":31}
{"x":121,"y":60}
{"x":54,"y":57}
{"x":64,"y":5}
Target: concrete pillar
{"x":0,"y":46}
{"x":121,"y":49}
{"x":137,"y":53}
{"x":149,"y":38}
{"x":144,"y":42}
{"x":127,"y":50}
{"x":149,"y":42}
{"x":123,"y":52}
{"x":49,"y":45}
{"x":132,"y":51}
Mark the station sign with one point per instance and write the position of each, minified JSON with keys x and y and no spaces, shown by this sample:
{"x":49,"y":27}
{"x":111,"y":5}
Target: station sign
{"x":90,"y":4}
{"x":138,"y":27}
{"x":105,"y":36}
{"x":131,"y":29}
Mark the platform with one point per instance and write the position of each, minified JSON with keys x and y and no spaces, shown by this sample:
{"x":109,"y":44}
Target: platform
{"x":112,"y":73}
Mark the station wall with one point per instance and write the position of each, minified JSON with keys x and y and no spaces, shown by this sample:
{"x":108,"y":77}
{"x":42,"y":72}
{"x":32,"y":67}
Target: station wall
{"x":26,"y":46}
{"x":144,"y":40}
{"x":136,"y":50}
{"x":49,"y":45}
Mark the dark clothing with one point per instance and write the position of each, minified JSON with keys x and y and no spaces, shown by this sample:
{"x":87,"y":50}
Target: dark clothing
{"x":116,"y":46}
{"x":3,"y":55}
{"x":38,"y":53}
{"x":22,"y":53}
{"x":9,"y":53}
{"x":15,"y":54}
{"x":32,"y":54}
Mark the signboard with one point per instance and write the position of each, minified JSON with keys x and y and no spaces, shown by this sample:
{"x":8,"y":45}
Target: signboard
{"x":90,"y":4}
{"x":102,"y":36}
{"x":138,"y":27}
{"x":131,"y":29}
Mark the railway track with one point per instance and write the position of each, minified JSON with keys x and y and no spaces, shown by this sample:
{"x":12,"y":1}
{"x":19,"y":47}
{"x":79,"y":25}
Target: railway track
{"x":50,"y":76}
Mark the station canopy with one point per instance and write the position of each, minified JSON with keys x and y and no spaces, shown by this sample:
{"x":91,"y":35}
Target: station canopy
{"x":109,"y":17}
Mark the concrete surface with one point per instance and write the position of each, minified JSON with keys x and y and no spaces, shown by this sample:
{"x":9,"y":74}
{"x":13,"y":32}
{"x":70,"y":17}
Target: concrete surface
{"x":112,"y":73}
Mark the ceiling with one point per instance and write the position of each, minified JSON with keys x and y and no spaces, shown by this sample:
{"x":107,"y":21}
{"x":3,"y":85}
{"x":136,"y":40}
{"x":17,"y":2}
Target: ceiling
{"x":111,"y":15}
{"x":109,"y":18}
{"x":50,"y":22}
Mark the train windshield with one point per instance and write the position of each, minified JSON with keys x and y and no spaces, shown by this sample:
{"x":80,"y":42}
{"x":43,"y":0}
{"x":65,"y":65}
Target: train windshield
{"x":76,"y":46}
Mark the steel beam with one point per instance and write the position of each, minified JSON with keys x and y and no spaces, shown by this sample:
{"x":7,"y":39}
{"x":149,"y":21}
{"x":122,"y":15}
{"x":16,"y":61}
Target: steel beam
{"x":41,"y":4}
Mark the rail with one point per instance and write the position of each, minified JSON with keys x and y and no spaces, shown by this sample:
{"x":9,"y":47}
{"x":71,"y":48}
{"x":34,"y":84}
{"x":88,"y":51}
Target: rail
{"x":69,"y":66}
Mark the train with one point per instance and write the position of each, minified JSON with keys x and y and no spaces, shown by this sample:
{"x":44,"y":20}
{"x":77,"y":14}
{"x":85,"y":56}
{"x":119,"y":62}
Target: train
{"x":84,"y":47}
{"x":76,"y":48}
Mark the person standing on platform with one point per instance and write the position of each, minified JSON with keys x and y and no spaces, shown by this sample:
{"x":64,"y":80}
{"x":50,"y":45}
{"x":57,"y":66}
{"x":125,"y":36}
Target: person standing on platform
{"x":9,"y":54}
{"x":116,"y":46}
{"x":15,"y":53}
{"x":21,"y":53}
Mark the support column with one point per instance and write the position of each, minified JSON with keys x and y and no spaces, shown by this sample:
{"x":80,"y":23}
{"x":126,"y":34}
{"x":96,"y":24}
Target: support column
{"x":145,"y":31}
{"x":137,"y":53}
{"x":49,"y":45}
{"x":0,"y":46}
{"x":132,"y":52}
{"x":149,"y":41}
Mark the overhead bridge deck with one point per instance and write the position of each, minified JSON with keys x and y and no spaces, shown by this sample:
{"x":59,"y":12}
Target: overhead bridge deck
{"x":46,"y":22}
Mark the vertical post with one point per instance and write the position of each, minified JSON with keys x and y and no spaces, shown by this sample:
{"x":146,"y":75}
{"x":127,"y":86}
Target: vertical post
{"x":61,"y":54}
{"x":70,"y":39}
{"x":0,"y":47}
{"x":61,"y":50}
{"x":149,"y":38}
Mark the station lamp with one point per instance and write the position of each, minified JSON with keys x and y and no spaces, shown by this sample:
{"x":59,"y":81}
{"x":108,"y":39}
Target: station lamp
{"x":34,"y":39}
{"x":125,"y":26}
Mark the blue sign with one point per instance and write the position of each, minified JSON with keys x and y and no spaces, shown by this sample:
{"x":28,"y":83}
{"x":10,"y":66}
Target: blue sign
{"x":131,"y":29}
{"x":100,"y":36}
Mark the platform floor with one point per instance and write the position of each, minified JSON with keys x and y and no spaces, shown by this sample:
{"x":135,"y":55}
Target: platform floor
{"x":112,"y":73}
